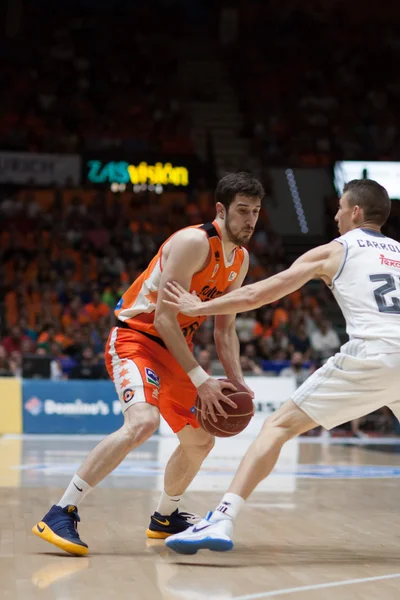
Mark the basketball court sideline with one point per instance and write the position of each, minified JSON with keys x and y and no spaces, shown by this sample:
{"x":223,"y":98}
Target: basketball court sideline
{"x":325,"y":524}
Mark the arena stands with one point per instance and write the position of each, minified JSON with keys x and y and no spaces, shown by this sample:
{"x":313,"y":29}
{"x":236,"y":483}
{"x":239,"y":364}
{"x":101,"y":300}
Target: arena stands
{"x":67,"y":256}
{"x":68,"y":253}
{"x":303,"y":88}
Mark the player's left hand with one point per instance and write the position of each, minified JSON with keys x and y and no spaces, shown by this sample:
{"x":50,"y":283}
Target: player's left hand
{"x":186,"y":303}
{"x":252,"y":394}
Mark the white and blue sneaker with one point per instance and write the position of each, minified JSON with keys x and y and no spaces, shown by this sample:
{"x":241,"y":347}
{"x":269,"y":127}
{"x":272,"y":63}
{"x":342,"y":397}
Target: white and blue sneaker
{"x":205,"y":535}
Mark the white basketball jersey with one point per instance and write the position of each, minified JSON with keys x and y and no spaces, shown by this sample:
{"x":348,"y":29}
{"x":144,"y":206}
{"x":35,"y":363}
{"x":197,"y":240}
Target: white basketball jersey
{"x":367,"y":289}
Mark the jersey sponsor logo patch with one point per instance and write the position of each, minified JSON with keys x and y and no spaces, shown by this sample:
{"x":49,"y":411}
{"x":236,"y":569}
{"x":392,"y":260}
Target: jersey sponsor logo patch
{"x":190,"y":329}
{"x":152,"y":377}
{"x":208,"y":292}
{"x":215,"y":271}
{"x":232,"y":276}
{"x":389,"y":262}
{"x":128,"y":394}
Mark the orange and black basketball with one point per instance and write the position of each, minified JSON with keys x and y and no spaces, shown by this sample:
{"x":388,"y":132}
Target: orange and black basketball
{"x":238,"y":418}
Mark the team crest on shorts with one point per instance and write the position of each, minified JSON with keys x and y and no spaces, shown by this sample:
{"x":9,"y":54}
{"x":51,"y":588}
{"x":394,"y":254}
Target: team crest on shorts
{"x":152,"y":377}
{"x":128,"y":395}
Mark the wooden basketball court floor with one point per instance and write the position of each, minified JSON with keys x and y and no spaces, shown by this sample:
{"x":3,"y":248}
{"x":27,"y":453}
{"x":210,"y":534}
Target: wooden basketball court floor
{"x":325,"y":525}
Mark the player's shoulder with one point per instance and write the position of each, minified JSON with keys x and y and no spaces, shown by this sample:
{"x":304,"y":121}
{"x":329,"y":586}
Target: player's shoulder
{"x":190,"y":241}
{"x":190,"y":235}
{"x":324,"y":251}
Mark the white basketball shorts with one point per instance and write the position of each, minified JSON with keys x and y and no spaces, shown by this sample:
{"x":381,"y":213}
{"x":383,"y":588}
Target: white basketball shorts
{"x":349,"y":385}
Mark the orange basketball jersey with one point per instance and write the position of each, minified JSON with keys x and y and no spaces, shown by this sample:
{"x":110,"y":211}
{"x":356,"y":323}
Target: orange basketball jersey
{"x":138,"y":304}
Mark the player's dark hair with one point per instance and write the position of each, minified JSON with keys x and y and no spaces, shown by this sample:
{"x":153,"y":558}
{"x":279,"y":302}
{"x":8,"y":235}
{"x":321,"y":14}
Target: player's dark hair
{"x":371,"y":197}
{"x":237,"y":183}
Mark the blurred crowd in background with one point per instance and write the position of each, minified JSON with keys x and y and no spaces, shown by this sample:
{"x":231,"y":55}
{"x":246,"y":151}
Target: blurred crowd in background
{"x":72,"y":85}
{"x":67,"y":255}
{"x":315,"y":109}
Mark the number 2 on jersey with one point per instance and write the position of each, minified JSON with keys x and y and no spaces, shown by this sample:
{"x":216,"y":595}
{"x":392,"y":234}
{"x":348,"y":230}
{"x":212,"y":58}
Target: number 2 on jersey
{"x":383,"y":290}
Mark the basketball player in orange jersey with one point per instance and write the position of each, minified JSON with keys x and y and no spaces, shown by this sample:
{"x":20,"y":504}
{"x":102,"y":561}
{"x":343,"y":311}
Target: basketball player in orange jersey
{"x":149,"y":357}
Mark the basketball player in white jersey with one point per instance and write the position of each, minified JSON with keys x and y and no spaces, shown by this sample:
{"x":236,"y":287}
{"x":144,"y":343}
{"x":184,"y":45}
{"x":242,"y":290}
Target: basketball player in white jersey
{"x":362,"y":268}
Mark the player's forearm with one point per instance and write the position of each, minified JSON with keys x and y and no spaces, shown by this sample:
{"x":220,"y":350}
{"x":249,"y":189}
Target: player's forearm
{"x":228,"y":350}
{"x":240,"y":300}
{"x":168,"y":328}
{"x":257,"y":294}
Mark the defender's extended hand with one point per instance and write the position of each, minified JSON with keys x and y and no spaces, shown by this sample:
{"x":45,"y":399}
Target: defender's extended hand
{"x":186,"y":303}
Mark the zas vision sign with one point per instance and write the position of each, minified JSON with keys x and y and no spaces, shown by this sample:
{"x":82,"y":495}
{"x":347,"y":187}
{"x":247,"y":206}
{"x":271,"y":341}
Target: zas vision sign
{"x":122,"y":172}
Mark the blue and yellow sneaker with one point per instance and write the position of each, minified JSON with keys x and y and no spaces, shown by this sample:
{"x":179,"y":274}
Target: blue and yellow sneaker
{"x":60,"y":527}
{"x":162,"y":526}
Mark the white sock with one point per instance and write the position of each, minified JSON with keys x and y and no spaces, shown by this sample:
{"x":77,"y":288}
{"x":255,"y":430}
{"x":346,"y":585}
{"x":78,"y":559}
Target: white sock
{"x":228,"y":508}
{"x":167,"y":504}
{"x":75,"y":492}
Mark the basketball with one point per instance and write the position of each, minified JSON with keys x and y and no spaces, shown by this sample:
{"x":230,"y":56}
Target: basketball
{"x":238,"y":418}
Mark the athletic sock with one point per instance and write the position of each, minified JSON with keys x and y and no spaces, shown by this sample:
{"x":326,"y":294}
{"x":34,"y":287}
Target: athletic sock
{"x":75,"y":492}
{"x":167,"y":504}
{"x":228,"y":508}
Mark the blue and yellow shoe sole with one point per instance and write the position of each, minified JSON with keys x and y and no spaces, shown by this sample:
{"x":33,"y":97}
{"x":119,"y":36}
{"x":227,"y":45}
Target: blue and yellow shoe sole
{"x":158,"y":535}
{"x":45,"y":533}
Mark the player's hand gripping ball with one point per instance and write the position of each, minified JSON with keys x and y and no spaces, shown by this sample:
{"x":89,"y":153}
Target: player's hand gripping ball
{"x":238,"y":418}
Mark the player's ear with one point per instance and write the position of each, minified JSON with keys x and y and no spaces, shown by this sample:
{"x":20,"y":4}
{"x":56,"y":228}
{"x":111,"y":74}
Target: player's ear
{"x":220,"y":210}
{"x":357,"y":213}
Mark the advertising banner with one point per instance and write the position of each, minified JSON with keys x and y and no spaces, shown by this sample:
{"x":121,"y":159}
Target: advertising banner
{"x":70,"y":407}
{"x":160,"y":173}
{"x":10,"y":405}
{"x":23,"y":168}
{"x":93,"y":407}
{"x":140,"y":171}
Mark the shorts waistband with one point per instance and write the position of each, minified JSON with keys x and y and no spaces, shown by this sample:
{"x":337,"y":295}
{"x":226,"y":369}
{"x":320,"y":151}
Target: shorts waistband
{"x":153,"y":338}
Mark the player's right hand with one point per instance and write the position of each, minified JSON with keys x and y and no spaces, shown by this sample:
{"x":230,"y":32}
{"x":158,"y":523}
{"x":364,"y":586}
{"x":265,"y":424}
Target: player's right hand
{"x":211,"y":396}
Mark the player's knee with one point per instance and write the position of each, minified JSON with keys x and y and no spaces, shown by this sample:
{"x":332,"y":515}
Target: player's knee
{"x":140,"y":431}
{"x":200,"y":448}
{"x":281,"y":432}
{"x":206,"y":445}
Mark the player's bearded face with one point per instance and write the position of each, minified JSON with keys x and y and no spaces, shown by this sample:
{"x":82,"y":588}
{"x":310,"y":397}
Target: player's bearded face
{"x":240,"y":224}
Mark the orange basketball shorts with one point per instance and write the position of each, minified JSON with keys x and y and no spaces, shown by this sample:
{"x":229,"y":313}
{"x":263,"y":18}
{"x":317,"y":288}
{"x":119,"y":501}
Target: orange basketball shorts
{"x":144,"y":371}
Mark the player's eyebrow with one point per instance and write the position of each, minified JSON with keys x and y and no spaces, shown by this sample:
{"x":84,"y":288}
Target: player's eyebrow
{"x":247,"y":205}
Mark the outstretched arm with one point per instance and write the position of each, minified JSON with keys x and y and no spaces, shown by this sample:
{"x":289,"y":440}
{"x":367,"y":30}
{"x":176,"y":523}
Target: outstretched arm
{"x":311,"y":265}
